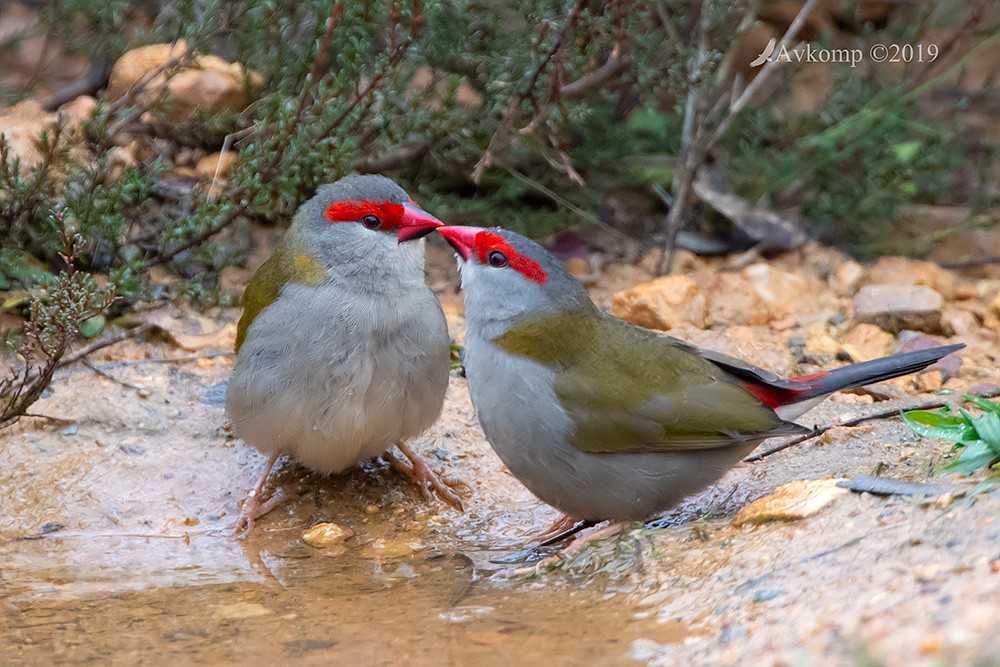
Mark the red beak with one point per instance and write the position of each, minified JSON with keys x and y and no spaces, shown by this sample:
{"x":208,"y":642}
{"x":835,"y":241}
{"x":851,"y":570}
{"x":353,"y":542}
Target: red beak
{"x":416,"y":223}
{"x":462,"y":239}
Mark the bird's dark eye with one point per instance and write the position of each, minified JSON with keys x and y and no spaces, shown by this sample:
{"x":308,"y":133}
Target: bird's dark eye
{"x":496,"y":258}
{"x":371,"y":221}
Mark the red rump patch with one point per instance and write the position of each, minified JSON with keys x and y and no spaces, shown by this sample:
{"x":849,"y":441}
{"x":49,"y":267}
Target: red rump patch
{"x":487,"y":242}
{"x":775,"y":397}
{"x":772,"y":397}
{"x":352,"y":211}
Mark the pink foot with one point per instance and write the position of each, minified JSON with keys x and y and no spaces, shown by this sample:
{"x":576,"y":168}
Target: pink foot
{"x":427,"y":479}
{"x":252,"y":509}
{"x":560,"y":525}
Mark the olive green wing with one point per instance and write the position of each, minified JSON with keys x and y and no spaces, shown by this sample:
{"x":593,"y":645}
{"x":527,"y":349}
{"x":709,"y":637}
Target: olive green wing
{"x":628,"y":389}
{"x":289,"y":264}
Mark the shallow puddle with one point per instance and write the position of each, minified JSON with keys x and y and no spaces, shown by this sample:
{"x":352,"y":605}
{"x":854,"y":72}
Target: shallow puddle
{"x":116,"y":548}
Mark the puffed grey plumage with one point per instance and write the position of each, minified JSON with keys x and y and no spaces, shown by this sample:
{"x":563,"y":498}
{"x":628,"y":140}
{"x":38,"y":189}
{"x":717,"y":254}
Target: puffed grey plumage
{"x":352,"y":355}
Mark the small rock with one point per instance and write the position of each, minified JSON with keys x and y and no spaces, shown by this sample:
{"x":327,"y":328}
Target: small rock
{"x":138,"y":64}
{"x":734,"y":301}
{"x":685,"y":261}
{"x":21,"y":126}
{"x":123,"y":157}
{"x":911,"y":272}
{"x":822,"y":346}
{"x":221,"y":162}
{"x":388,"y":548}
{"x":197,"y":83}
{"x":215,"y":396}
{"x":212,"y":84}
{"x":929,"y":382}
{"x":897,"y":307}
{"x":327,"y":534}
{"x":663,"y":304}
{"x":74,"y":112}
{"x":958,"y":322}
{"x":780,"y":292}
{"x":866,"y":341}
{"x":742,"y":342}
{"x":790,"y":502}
{"x":578,"y":268}
{"x":846,"y":278}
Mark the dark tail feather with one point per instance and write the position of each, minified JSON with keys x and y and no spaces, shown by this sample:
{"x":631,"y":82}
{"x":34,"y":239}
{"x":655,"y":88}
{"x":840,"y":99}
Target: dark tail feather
{"x":876,"y":370}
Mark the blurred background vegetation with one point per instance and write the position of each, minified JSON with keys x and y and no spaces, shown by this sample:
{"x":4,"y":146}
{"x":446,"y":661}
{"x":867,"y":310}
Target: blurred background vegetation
{"x":619,"y":120}
{"x":538,"y":115}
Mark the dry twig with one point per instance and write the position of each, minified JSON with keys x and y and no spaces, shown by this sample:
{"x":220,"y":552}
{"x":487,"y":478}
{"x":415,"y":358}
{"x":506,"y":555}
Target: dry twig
{"x":697,"y":141}
{"x":820,"y":430}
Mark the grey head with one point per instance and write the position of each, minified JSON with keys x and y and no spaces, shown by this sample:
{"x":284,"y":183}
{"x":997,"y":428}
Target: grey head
{"x":507,"y":276}
{"x":357,"y":227}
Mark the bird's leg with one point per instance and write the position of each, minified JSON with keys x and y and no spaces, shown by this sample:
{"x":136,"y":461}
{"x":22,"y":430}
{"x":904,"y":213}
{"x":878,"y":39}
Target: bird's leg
{"x":426,"y":478}
{"x":252,"y":509}
{"x":604,"y":532}
{"x":560,"y":525}
{"x":578,"y":543}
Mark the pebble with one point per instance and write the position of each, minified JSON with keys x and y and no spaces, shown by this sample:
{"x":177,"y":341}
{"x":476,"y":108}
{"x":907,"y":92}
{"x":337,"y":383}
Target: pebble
{"x":897,"y":307}
{"x":324,"y":535}
{"x":790,"y":502}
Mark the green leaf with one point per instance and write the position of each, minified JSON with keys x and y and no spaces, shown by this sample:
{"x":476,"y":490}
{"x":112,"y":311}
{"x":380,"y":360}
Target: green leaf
{"x":974,"y":456}
{"x":983,"y":404}
{"x":987,"y":485}
{"x":988,"y":427}
{"x":92,"y":326}
{"x":938,"y":425}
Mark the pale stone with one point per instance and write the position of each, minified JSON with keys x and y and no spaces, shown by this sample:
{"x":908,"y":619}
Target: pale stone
{"x":182,"y":84}
{"x":578,"y":268}
{"x":733,"y":300}
{"x":846,"y":278}
{"x":904,"y":271}
{"x":21,"y":126}
{"x":897,"y":307}
{"x":326,"y":534}
{"x":866,"y":341}
{"x":791,"y":502}
{"x":74,"y":112}
{"x":663,"y":304}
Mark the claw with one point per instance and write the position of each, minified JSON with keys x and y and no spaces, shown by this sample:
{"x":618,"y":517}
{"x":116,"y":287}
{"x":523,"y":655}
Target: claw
{"x":560,"y":525}
{"x":252,"y":509}
{"x":428,"y":481}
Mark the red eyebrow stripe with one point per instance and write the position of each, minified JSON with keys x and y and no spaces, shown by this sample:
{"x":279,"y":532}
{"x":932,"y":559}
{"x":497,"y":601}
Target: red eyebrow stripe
{"x":529,"y":268}
{"x":352,"y":211}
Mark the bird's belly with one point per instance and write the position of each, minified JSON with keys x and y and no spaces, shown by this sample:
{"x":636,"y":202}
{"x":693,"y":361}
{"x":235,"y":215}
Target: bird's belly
{"x":335,"y":388}
{"x":522,"y":419}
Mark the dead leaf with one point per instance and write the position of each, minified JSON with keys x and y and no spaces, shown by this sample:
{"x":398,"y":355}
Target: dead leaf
{"x":191,"y":331}
{"x":791,"y":502}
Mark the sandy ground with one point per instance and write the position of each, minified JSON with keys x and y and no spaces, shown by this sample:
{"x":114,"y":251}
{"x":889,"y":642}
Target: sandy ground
{"x":116,"y":548}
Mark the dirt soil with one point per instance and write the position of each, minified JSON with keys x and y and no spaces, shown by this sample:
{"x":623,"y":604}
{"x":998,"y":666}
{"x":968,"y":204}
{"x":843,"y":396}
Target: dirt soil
{"x":116,"y":547}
